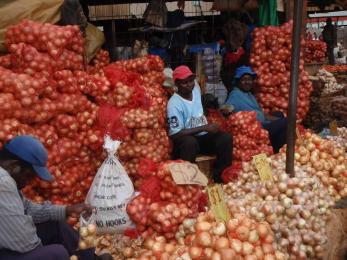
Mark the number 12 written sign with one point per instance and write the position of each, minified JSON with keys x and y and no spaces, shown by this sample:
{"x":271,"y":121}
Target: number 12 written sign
{"x":217,"y":203}
{"x":263,"y":167}
{"x":187,"y":173}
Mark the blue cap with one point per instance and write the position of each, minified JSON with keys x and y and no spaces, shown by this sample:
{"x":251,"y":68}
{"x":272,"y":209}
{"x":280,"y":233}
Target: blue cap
{"x":32,"y":151}
{"x":240,"y":71}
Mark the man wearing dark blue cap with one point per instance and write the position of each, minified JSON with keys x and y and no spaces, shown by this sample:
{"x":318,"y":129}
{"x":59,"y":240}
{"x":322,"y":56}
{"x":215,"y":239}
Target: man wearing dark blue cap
{"x":242,"y":98}
{"x":29,"y":230}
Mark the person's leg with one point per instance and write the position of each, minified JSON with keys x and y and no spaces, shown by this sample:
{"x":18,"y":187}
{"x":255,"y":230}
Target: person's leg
{"x":186,"y":148}
{"x":53,"y":232}
{"x":219,"y":144}
{"x":330,"y":51}
{"x":50,"y":252}
{"x":277,"y":133}
{"x":278,"y":114}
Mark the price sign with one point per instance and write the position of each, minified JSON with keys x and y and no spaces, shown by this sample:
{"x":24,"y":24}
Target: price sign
{"x":217,"y":203}
{"x":333,"y":127}
{"x":187,"y":173}
{"x":263,"y":167}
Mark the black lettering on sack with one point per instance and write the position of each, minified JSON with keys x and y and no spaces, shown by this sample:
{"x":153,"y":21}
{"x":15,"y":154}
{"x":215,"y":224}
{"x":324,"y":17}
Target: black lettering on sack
{"x":110,"y":161}
{"x":96,"y":196}
{"x":116,"y":222}
{"x":99,"y":223}
{"x":120,"y":206}
{"x":111,"y":197}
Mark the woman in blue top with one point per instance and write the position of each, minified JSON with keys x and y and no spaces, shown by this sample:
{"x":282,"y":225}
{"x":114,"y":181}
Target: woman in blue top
{"x":242,"y":98}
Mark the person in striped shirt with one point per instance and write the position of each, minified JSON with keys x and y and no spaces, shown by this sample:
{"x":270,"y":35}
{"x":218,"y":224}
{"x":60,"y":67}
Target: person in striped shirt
{"x":29,"y":230}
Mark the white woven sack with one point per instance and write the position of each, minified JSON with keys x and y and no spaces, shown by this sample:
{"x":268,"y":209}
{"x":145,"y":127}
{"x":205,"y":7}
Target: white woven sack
{"x":110,"y":192}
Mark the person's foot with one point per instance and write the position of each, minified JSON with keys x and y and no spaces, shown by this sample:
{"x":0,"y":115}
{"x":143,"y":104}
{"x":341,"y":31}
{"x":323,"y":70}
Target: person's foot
{"x":105,"y":256}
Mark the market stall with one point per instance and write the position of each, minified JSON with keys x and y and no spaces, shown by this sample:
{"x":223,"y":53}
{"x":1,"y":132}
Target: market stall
{"x":104,"y":127}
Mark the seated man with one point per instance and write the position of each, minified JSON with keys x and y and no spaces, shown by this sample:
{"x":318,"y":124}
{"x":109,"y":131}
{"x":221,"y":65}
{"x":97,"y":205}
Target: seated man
{"x":190,"y":132}
{"x":31,"y":231}
{"x":242,"y":99}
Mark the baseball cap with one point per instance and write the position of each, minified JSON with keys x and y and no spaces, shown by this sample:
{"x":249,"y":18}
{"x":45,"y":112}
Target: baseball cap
{"x":32,"y":151}
{"x":182,"y":72}
{"x":240,"y":71}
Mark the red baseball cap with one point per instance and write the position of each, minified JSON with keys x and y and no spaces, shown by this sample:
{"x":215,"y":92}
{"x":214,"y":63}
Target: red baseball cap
{"x":182,"y":72}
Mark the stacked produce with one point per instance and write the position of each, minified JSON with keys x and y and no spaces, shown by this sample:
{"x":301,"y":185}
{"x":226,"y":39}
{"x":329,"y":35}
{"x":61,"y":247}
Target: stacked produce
{"x":270,"y":59}
{"x":101,"y":60}
{"x":249,"y":138}
{"x":205,"y":238}
{"x":321,"y":158}
{"x":340,"y":140}
{"x":296,"y":208}
{"x":315,"y":51}
{"x":342,"y":131}
{"x":119,"y":246}
{"x":46,"y":93}
{"x":215,"y":116}
{"x":163,"y":205}
{"x":335,"y":68}
{"x":330,"y":83}
{"x":339,"y":109}
{"x":142,"y":101}
{"x":324,"y":106}
{"x":41,"y":98}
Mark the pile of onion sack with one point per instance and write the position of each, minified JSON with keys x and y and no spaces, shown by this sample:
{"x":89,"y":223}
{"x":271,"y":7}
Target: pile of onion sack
{"x":163,"y":205}
{"x":43,"y":96}
{"x":47,"y":92}
{"x":141,"y":102}
{"x":315,"y":51}
{"x":271,"y":59}
{"x":249,"y":138}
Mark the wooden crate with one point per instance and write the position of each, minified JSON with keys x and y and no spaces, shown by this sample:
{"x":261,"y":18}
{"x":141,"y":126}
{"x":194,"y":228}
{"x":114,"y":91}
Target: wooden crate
{"x":205,"y":164}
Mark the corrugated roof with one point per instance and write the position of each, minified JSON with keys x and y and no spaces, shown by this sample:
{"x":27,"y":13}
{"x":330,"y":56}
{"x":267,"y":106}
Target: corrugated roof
{"x":129,"y":11}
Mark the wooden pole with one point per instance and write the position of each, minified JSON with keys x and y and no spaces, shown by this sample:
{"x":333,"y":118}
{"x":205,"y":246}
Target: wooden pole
{"x":293,"y":92}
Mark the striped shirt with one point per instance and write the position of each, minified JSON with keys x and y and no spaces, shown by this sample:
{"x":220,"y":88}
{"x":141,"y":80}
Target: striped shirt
{"x":19,"y":215}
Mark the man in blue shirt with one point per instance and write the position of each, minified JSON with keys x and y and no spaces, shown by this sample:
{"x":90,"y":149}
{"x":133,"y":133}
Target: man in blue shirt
{"x":31,"y":231}
{"x":188,"y":127}
{"x":242,"y":98}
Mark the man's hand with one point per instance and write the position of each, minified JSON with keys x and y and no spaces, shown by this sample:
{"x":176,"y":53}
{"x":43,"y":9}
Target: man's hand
{"x":77,"y":209}
{"x":211,"y":128}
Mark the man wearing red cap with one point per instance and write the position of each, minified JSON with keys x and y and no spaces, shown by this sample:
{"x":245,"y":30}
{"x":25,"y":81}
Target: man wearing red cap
{"x":188,"y":127}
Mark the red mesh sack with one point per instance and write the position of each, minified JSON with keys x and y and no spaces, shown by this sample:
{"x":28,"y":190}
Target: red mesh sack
{"x":114,"y":74}
{"x":202,"y":202}
{"x":146,"y":167}
{"x":109,"y":120}
{"x":151,"y":188}
{"x":133,"y":233}
{"x":231,"y":173}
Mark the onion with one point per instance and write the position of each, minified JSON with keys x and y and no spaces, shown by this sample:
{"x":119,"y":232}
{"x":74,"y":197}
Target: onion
{"x":195,"y":252}
{"x":219,"y":229}
{"x":204,"y":239}
{"x":242,"y":233}
{"x":221,"y":243}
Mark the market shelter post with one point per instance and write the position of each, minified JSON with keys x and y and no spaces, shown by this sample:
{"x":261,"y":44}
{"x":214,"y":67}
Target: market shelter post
{"x":293,"y":92}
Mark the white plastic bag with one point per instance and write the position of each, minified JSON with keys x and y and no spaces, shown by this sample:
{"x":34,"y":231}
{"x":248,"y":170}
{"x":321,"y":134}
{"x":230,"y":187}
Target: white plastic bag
{"x":87,"y":231}
{"x":110,"y":193}
{"x":218,"y":90}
